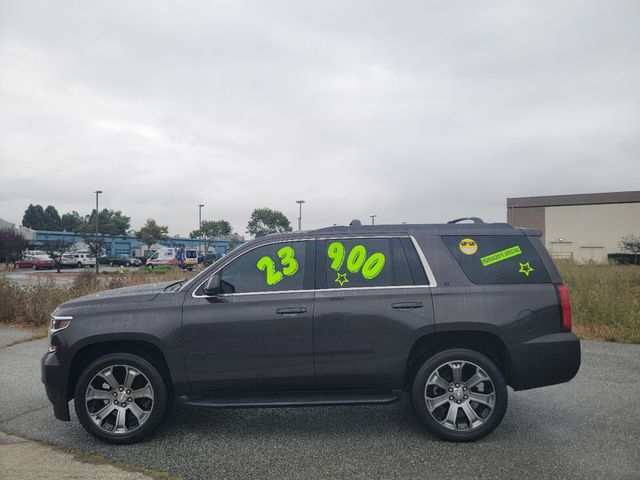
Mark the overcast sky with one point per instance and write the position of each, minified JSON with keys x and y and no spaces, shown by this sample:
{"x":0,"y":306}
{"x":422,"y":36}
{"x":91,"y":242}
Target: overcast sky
{"x":414,"y":111}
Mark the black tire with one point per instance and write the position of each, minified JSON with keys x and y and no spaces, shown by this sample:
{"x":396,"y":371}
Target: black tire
{"x":438,"y":369}
{"x":111,"y":264}
{"x":158,"y":406}
{"x":79,"y":264}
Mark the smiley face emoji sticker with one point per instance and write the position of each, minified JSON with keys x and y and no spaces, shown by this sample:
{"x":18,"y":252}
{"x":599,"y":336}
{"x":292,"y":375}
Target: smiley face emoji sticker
{"x":468,"y":246}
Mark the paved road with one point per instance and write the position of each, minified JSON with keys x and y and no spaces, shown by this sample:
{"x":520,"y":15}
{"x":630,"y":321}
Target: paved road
{"x":589,"y":428}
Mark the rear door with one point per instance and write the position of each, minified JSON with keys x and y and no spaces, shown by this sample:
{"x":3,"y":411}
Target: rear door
{"x":373,"y":295}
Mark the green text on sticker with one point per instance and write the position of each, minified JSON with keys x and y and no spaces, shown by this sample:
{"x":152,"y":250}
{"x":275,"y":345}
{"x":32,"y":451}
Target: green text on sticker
{"x":500,"y":256}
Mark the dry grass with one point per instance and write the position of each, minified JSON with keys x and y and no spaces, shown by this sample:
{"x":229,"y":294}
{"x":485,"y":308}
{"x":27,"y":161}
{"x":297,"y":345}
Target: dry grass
{"x":32,"y":305}
{"x":605,"y":300}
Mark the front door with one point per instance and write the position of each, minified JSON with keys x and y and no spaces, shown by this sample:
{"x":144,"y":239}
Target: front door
{"x":258,"y":334}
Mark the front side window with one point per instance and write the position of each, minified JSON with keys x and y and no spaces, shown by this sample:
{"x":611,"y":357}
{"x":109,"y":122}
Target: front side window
{"x":270,"y":268}
{"x":365,"y":262}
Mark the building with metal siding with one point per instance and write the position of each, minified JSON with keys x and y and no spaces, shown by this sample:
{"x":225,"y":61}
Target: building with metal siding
{"x":118,"y":245}
{"x":582,"y":227}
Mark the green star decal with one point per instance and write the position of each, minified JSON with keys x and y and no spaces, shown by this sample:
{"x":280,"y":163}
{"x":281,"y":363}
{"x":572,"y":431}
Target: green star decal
{"x":342,"y":279}
{"x":525,"y":268}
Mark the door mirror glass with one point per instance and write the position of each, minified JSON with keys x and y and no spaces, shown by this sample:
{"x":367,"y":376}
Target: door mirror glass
{"x":213,"y":287}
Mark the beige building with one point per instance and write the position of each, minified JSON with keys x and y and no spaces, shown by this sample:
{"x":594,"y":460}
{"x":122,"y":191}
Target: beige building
{"x":582,"y":227}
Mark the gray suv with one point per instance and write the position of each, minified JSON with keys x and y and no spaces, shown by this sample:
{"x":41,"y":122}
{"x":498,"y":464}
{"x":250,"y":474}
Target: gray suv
{"x":448,"y":313}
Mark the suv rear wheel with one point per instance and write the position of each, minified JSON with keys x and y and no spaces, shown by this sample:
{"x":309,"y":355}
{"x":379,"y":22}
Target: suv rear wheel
{"x":120,"y":398}
{"x":459,"y":395}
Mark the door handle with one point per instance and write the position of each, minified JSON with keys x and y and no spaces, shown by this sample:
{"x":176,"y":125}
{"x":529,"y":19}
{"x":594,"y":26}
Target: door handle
{"x":291,"y":310}
{"x":406,"y":305}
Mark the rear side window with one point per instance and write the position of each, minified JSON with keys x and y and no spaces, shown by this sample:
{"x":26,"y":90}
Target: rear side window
{"x":496,"y":259}
{"x":366,"y":262}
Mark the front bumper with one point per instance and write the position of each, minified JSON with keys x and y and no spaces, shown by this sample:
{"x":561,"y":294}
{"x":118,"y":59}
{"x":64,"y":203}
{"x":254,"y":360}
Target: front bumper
{"x":55,"y":376}
{"x":545,"y":360}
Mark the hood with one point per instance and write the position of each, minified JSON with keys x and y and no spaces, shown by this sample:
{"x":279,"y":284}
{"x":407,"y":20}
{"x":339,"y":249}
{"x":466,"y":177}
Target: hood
{"x":118,"y":296}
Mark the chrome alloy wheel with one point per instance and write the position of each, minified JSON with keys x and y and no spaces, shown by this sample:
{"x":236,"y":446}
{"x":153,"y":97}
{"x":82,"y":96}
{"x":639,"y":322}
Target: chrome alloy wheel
{"x":460,"y":395}
{"x":119,"y":399}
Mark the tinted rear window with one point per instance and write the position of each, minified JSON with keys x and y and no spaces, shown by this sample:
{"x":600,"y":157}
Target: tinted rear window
{"x":497,"y":259}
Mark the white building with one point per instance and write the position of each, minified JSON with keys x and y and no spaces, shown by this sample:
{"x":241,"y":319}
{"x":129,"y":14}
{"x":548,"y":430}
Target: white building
{"x":582,"y":227}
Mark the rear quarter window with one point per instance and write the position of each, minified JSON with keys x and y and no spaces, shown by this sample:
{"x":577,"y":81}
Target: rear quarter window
{"x":497,"y":259}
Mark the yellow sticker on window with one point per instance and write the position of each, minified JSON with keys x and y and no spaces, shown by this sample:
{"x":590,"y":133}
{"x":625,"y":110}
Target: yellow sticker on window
{"x":468,"y":246}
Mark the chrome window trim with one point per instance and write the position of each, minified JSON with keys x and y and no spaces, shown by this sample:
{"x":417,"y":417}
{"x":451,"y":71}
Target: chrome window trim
{"x":423,"y":260}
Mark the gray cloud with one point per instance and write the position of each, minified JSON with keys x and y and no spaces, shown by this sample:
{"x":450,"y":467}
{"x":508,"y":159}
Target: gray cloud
{"x":414,"y":111}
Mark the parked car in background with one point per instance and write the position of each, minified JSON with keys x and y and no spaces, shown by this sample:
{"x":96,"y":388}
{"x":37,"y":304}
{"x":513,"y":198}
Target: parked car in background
{"x":67,"y":260}
{"x":125,"y":260}
{"x":162,"y":256}
{"x":36,"y":262}
{"x":84,"y":259}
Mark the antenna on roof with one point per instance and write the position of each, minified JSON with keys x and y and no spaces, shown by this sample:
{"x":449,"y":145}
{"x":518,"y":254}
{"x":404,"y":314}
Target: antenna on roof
{"x":355,"y":223}
{"x":473,"y":219}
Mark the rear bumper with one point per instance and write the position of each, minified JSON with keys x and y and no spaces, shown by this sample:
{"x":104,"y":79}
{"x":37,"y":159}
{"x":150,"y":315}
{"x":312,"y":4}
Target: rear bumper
{"x":546,"y":360}
{"x":55,"y":376}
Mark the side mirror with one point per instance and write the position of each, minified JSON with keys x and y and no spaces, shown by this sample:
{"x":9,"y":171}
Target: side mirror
{"x":213,"y":286}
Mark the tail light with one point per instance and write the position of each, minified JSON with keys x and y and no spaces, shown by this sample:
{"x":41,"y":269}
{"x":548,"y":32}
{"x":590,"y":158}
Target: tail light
{"x":565,"y":306}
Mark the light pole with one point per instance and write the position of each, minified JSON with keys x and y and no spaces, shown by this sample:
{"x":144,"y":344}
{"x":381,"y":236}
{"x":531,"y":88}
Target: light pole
{"x":300,"y":202}
{"x":97,"y":192}
{"x":200,"y":205}
{"x":373,"y":219}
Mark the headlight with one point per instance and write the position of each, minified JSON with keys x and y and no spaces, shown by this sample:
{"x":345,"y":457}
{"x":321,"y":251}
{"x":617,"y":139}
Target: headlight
{"x":58,"y":323}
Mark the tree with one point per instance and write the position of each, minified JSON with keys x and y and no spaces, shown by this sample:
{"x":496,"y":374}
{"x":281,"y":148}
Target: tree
{"x":34,"y":217}
{"x":53,"y":246}
{"x":72,"y":222}
{"x":12,"y":244}
{"x":109,"y":223}
{"x":631,"y":243}
{"x":212,"y":229}
{"x":265,"y":221}
{"x":151,"y":232}
{"x":52,"y":219}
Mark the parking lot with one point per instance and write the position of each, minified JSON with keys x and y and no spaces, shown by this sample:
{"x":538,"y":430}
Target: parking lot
{"x":588,"y":428}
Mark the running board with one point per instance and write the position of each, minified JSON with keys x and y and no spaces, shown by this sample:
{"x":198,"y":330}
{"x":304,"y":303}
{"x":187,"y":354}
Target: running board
{"x":295,"y":399}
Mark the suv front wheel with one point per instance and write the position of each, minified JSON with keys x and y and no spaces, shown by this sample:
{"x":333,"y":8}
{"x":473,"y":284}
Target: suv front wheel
{"x":120,"y":398}
{"x":460,"y":395}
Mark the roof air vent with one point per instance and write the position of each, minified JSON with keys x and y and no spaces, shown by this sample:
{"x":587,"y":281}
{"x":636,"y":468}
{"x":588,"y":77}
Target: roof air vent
{"x":355,"y":223}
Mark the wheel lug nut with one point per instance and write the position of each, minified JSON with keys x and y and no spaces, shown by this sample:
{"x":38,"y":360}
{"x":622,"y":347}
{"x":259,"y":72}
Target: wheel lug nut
{"x":129,"y":399}
{"x":115,"y":402}
{"x":451,"y":397}
{"x":451,"y":389}
{"x":457,"y":385}
{"x":466,"y":396}
{"x":115,"y":394}
{"x":121,"y":389}
{"x":129,"y":391}
{"x":458,"y":401}
{"x":464,"y":389}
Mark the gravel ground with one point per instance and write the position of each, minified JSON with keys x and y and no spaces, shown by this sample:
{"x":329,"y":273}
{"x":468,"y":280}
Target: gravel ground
{"x":588,"y":428}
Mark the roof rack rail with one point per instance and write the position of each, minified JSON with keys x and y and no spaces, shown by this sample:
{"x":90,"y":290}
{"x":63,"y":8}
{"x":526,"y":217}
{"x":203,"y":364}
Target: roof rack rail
{"x":473,"y":219}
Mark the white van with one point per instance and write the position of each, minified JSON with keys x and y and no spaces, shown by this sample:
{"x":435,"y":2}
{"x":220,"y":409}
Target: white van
{"x":163,"y":256}
{"x":85,"y":259}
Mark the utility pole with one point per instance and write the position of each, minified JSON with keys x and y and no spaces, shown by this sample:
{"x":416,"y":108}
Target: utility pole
{"x":373,"y":219}
{"x":97,"y":192}
{"x":200,"y":205}
{"x":300,"y":202}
